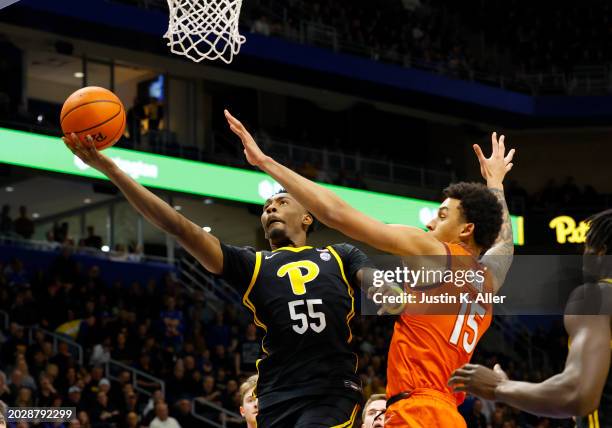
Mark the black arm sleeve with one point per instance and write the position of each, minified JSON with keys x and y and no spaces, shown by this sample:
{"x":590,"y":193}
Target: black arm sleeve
{"x":353,"y":260}
{"x":238,"y":266}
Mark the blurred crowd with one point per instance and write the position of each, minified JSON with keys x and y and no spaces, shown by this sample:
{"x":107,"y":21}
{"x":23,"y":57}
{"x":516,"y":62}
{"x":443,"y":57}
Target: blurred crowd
{"x":458,"y":38}
{"x":156,"y":327}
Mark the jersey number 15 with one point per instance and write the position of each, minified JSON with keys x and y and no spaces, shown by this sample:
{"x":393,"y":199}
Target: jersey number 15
{"x":472,"y":324}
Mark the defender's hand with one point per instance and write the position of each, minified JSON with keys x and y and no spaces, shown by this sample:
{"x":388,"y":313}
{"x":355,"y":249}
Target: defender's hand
{"x":478,"y":380}
{"x":88,"y":153}
{"x":387,"y":290}
{"x":495,"y":168}
{"x":252,"y":151}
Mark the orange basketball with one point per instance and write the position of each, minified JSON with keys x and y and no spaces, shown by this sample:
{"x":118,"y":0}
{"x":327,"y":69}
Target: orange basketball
{"x":94,"y":111}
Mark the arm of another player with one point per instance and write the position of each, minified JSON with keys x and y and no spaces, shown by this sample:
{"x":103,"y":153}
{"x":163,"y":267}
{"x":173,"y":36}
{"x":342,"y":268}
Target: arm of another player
{"x":493,"y":169}
{"x":203,"y":246}
{"x":574,"y":392}
{"x":333,"y":211}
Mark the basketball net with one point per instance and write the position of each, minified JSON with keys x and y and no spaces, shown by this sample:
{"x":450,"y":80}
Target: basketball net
{"x":204,"y":29}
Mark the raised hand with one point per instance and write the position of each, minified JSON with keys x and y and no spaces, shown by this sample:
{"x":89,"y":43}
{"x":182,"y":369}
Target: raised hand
{"x":87,"y":152}
{"x":253,"y":153}
{"x":495,"y":167}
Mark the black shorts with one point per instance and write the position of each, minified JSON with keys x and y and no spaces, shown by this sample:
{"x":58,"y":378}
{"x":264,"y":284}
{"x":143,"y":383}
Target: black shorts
{"x":311,"y":412}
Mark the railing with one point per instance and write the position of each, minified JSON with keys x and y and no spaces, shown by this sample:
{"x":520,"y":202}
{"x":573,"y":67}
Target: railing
{"x":53,"y":246}
{"x":136,"y":375}
{"x":329,"y":160}
{"x":224,"y":415}
{"x":213,"y":288}
{"x":58,"y":337}
{"x":5,"y":319}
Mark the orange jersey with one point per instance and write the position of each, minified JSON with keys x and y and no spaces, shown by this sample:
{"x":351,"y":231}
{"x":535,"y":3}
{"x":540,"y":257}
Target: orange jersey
{"x":426,"y":349}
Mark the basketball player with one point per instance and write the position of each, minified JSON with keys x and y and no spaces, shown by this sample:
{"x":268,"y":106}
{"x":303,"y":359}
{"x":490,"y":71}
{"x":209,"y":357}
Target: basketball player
{"x":425,"y":349}
{"x":584,"y":388}
{"x":373,"y":415}
{"x":302,"y":297}
{"x":248,"y":401}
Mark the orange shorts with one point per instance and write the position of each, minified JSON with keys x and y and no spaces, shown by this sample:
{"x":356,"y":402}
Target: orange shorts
{"x":424,"y":409}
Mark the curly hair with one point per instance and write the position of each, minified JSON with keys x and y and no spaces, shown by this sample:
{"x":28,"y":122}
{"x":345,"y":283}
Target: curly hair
{"x":599,"y":236}
{"x":479,"y":206}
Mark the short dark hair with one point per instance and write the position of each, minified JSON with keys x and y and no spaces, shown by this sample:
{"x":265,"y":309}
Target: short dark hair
{"x":599,"y":235}
{"x":479,"y":206}
{"x":313,"y":225}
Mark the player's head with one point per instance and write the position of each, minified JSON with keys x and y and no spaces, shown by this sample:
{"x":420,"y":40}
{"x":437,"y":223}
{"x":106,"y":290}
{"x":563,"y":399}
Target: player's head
{"x":599,"y":235}
{"x":248,"y":402}
{"x":373,"y":415}
{"x":469,"y":214}
{"x":598,"y":247}
{"x":284,"y":220}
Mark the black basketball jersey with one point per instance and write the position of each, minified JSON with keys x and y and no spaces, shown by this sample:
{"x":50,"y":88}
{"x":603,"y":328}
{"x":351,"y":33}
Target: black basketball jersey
{"x":304,"y":300}
{"x":595,"y":299}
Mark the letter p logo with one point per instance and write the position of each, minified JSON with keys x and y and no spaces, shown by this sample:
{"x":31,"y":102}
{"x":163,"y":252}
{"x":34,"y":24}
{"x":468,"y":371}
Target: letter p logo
{"x":299,"y":274}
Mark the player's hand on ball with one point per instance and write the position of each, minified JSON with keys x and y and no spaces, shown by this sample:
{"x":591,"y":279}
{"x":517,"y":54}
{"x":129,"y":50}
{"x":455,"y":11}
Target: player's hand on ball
{"x":252,"y":151}
{"x":87,"y":152}
{"x":495,"y":167}
{"x":478,"y":380}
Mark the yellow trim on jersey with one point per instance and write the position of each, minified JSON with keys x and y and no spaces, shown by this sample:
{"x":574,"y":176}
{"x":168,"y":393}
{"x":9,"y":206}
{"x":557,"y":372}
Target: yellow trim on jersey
{"x":351,"y":421}
{"x":596,"y":418}
{"x":294,"y":249}
{"x":245,"y":299}
{"x":351,"y":314}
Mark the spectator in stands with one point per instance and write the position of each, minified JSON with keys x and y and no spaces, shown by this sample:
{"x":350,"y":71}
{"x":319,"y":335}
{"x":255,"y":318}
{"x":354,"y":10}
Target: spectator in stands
{"x":74,"y":397}
{"x":46,"y":394}
{"x":132,"y":420}
{"x":183,"y":414}
{"x":248,"y":352}
{"x":476,"y":419}
{"x":23,"y":225}
{"x":102,"y":414}
{"x":162,"y":418}
{"x":6,"y":224}
{"x":373,"y":415}
{"x":261,"y":26}
{"x":135,"y":116}
{"x":92,"y":240}
{"x":248,"y":407}
{"x":5,"y":392}
{"x":173,"y":326}
{"x":24,"y":398}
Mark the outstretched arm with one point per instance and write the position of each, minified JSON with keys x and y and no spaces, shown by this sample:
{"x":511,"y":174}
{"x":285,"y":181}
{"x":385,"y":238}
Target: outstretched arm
{"x":576,"y":391}
{"x":333,"y":211}
{"x":498,"y":258}
{"x":200,"y":244}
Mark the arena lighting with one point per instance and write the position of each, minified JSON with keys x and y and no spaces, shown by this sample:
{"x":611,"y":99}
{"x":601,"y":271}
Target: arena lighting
{"x":79,"y":74}
{"x":214,"y":181}
{"x":105,"y":248}
{"x":207,"y":229}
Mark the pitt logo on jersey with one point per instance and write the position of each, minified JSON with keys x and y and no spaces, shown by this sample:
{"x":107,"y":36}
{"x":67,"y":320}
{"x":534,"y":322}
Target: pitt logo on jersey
{"x":300,"y":273}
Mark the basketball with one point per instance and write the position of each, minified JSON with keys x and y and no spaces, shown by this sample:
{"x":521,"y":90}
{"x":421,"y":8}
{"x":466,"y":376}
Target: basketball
{"x":94,"y":111}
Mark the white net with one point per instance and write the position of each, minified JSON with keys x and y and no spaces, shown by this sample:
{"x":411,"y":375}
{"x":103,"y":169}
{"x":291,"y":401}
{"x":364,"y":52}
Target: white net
{"x":204,"y":29}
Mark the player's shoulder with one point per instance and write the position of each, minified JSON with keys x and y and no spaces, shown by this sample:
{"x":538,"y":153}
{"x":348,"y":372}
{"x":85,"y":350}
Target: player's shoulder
{"x":590,"y":298}
{"x":342,"y":248}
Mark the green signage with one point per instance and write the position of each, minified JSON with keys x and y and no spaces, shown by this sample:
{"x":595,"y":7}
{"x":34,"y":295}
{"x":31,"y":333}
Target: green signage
{"x":181,"y":175}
